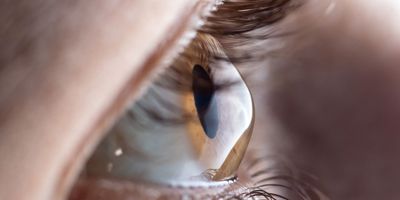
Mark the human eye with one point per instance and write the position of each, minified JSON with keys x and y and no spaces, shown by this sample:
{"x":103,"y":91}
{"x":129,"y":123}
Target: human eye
{"x":91,"y":96}
{"x":165,"y":142}
{"x":190,"y":120}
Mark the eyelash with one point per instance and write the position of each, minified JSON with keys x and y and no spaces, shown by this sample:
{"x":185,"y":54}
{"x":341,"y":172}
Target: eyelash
{"x":269,"y":173}
{"x":281,"y":175}
{"x":241,"y":26}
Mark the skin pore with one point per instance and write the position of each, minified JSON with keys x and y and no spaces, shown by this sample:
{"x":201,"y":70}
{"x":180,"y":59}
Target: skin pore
{"x":327,"y":100}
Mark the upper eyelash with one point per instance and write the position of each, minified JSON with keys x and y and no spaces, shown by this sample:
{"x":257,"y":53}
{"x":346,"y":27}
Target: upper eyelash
{"x":236,"y":18}
{"x":244,"y":26}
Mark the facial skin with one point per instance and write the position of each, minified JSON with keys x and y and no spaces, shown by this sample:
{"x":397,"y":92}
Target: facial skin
{"x":328,"y":101}
{"x":333,"y":97}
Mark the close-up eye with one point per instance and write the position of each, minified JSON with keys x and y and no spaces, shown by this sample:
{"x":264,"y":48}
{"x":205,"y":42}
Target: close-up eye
{"x":199,"y":99}
{"x":191,"y":126}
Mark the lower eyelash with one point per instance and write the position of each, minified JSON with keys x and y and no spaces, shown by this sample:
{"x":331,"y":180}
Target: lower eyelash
{"x":268,"y":176}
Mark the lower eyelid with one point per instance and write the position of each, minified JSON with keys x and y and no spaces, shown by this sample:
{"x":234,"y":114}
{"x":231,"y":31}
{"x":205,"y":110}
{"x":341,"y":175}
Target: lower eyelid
{"x":259,"y":177}
{"x":99,"y":189}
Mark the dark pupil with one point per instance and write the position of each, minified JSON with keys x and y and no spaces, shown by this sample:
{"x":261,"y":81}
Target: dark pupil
{"x":203,"y":92}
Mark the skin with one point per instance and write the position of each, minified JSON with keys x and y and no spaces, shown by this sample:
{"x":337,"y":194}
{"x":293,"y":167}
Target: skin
{"x":328,"y":102}
{"x":332,"y":97}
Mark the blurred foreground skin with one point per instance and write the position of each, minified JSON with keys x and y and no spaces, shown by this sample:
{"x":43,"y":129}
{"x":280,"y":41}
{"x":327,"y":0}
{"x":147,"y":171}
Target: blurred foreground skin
{"x":65,"y":68}
{"x":330,"y":95}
